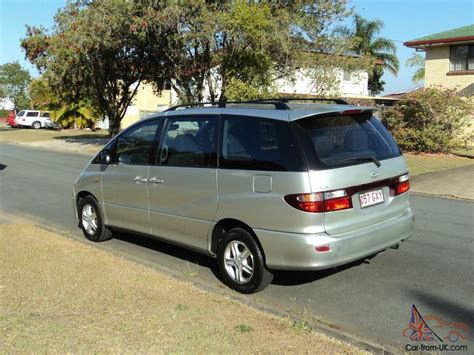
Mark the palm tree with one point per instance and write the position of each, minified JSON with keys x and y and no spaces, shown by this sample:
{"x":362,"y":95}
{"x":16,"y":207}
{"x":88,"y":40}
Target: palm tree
{"x":367,"y":42}
{"x":417,"y":62}
{"x":78,"y":114}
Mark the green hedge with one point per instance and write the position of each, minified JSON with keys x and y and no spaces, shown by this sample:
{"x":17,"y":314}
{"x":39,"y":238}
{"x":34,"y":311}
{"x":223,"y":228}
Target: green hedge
{"x":429,"y":121}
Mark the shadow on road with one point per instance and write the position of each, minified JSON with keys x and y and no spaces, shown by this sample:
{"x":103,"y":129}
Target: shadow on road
{"x":169,"y":249}
{"x":2,"y":166}
{"x":86,"y":138}
{"x":444,"y":307}
{"x":281,"y":278}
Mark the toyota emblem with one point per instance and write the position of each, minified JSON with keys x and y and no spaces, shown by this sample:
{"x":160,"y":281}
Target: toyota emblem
{"x":374,"y":174}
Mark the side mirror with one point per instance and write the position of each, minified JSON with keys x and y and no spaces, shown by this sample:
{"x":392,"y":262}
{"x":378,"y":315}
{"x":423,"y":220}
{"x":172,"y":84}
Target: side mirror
{"x":105,"y":156}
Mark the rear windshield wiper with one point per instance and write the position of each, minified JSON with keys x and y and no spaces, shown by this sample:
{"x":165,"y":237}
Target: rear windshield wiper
{"x":363,"y":158}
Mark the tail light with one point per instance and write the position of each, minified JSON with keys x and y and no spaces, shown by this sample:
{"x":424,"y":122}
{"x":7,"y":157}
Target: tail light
{"x":320,"y":201}
{"x":400,"y":186}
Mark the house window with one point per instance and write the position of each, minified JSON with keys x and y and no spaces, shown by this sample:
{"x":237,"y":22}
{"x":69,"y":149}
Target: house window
{"x":461,"y":57}
{"x":164,"y":84}
{"x":346,"y":75}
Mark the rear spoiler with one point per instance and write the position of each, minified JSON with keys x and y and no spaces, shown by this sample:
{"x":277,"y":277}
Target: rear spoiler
{"x":338,"y":111}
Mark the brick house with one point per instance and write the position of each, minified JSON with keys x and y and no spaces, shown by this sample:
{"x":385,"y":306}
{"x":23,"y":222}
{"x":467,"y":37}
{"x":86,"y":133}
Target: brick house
{"x":449,"y":61}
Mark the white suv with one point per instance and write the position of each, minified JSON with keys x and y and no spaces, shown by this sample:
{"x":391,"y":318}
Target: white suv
{"x":34,"y":118}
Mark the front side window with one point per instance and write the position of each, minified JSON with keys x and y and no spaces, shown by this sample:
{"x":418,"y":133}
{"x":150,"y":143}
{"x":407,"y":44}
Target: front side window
{"x":189,"y":142}
{"x":32,"y":114}
{"x":45,"y":114}
{"x":21,"y":113}
{"x":252,"y":143}
{"x":461,"y":57}
{"x":134,"y":147}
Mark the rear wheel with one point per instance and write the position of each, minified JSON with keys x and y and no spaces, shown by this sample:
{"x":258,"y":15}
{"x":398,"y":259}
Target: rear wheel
{"x":241,"y":262}
{"x":36,"y":125}
{"x":91,"y":221}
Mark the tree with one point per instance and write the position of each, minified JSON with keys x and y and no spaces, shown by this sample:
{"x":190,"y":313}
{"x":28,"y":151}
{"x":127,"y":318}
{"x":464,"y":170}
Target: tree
{"x":367,"y":42}
{"x":236,"y":49}
{"x":98,"y":53}
{"x":101,"y":50}
{"x":417,"y":62}
{"x":14,"y":82}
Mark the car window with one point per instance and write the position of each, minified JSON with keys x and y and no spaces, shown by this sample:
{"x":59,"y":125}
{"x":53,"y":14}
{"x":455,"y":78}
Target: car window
{"x":134,"y":146}
{"x":21,"y":113}
{"x":336,"y":141}
{"x":32,"y":114}
{"x":189,"y":142}
{"x":45,"y":114}
{"x":259,"y":144}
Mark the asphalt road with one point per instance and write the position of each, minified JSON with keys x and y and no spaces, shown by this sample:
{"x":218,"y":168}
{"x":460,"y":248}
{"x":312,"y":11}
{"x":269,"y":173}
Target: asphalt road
{"x":370,"y":300}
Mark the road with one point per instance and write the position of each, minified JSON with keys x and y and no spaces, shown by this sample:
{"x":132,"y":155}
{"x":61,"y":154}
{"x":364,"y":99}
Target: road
{"x":369,"y":300}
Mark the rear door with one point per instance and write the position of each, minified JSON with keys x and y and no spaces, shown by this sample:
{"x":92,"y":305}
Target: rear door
{"x":354,"y":154}
{"x":182,"y":187}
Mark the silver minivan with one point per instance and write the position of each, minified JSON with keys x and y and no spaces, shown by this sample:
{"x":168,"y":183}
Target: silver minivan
{"x":263,"y":185}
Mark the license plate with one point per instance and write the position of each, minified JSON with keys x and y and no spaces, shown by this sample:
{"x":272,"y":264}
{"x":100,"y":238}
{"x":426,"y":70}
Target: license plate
{"x":371,"y":198}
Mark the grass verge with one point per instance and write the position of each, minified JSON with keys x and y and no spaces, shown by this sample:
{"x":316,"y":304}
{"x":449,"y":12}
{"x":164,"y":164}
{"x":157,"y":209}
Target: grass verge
{"x":421,"y":163}
{"x":61,"y":295}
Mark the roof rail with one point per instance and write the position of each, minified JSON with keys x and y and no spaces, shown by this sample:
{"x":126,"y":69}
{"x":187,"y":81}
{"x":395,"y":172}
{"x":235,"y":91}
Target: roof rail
{"x":314,"y":99}
{"x":279,"y":103}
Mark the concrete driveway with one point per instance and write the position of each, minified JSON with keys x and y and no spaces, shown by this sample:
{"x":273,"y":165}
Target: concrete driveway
{"x":458,"y":182}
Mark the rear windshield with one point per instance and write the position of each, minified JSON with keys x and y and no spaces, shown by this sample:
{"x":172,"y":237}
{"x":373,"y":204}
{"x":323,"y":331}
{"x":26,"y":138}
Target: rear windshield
{"x":335,"y":141}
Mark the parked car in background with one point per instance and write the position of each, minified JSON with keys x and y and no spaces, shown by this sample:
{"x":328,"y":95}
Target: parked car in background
{"x":260,"y":186}
{"x":35,"y":119}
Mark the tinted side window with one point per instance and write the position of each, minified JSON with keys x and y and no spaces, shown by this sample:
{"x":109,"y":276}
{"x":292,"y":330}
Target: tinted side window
{"x":189,"y":141}
{"x":21,"y":113}
{"x":32,"y":114}
{"x":45,"y":114}
{"x":252,"y":143}
{"x":134,"y":146}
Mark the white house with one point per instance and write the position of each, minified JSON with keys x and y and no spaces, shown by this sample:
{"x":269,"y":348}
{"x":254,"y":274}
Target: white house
{"x":305,"y":83}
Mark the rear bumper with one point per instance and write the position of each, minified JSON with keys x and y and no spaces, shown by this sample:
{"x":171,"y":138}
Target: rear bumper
{"x":288,"y":251}
{"x":50,"y":125}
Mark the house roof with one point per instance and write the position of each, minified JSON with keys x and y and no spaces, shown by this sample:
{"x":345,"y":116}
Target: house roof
{"x":461,"y":34}
{"x":399,"y":94}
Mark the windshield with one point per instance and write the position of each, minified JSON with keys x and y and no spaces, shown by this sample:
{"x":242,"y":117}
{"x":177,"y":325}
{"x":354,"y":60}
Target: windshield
{"x":335,"y":141}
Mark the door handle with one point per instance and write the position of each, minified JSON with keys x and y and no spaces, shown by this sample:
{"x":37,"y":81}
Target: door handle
{"x":155,"y":180}
{"x":140,"y":179}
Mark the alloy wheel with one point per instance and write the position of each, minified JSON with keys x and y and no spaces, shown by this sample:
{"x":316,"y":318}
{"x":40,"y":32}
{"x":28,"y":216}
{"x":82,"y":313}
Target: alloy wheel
{"x":238,"y":260}
{"x":89,"y":219}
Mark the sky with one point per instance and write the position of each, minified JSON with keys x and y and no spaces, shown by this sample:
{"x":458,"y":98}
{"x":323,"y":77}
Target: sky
{"x":403,"y":20}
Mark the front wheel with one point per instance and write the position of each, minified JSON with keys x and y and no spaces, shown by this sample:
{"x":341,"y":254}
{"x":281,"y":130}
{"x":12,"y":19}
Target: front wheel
{"x":36,"y":125}
{"x":90,"y":220}
{"x":241,"y":262}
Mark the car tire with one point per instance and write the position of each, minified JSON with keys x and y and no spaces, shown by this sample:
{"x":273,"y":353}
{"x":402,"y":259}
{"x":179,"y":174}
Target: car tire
{"x":242,"y":263}
{"x":36,"y":125}
{"x":91,"y":221}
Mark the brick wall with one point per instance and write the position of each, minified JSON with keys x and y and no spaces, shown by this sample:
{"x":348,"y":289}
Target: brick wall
{"x":436,"y":68}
